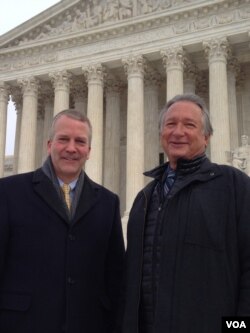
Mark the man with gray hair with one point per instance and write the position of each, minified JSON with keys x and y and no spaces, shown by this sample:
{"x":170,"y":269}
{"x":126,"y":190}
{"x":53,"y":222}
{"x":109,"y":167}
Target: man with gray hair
{"x":188,"y":238}
{"x":61,"y":243}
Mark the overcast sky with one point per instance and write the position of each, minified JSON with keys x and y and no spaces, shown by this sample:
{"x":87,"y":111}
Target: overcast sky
{"x":13,"y":13}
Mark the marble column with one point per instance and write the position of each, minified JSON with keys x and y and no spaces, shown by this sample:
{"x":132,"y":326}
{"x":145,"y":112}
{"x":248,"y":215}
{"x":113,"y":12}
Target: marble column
{"x":240,"y":87}
{"x":202,"y":90}
{"x":94,"y":76}
{"x":152,"y":83}
{"x":39,"y":135}
{"x":47,"y":96}
{"x":17,"y":98}
{"x":232,"y":72}
{"x":173,"y":61}
{"x":190,"y":77}
{"x":4,"y":97}
{"x":217,"y":51}
{"x":112,"y":135}
{"x":61,"y":83}
{"x":27,"y":148}
{"x":123,"y":147}
{"x":79,"y":93}
{"x":202,"y":87}
{"x":134,"y":68}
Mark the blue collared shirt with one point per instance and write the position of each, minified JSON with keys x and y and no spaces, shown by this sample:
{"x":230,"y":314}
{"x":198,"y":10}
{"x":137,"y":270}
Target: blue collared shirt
{"x":72,"y":187}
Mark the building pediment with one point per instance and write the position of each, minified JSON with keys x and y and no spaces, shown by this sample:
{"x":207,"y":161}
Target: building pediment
{"x":68,"y":19}
{"x":60,"y":34}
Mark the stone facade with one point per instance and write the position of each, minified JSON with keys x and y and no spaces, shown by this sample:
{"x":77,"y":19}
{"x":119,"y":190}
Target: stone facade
{"x":119,"y":61}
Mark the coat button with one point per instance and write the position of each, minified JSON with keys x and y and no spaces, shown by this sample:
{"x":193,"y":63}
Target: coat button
{"x":72,"y":237}
{"x":71,"y":281}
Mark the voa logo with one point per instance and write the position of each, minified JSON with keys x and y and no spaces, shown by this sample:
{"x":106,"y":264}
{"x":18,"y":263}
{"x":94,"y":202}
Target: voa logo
{"x":235,"y":324}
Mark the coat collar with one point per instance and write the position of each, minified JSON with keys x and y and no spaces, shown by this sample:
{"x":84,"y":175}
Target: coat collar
{"x":88,"y":198}
{"x":45,"y":189}
{"x":185,"y":169}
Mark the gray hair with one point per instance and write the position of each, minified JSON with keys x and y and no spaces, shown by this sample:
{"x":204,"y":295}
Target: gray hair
{"x":207,"y":126}
{"x":73,"y":114}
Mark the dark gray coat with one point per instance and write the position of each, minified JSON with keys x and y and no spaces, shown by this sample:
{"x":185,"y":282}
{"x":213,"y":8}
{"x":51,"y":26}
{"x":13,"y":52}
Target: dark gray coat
{"x":205,"y":255}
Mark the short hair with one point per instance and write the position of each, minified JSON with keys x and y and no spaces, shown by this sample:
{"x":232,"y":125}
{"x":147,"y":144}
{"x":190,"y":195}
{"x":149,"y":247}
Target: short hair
{"x":207,"y":126}
{"x":73,"y":114}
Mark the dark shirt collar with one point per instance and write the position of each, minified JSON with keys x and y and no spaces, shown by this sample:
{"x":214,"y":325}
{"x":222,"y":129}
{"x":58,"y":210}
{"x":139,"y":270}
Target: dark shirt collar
{"x":184,"y":167}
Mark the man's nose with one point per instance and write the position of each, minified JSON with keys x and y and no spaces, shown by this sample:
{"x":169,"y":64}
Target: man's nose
{"x":179,"y":129}
{"x":71,"y":145}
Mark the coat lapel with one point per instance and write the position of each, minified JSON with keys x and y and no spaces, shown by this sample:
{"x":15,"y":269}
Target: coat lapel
{"x":88,"y":198}
{"x":45,"y":189}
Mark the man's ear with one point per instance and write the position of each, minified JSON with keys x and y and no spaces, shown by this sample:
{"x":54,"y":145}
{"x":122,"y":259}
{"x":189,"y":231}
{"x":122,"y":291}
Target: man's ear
{"x":48,"y":146}
{"x":89,"y":153}
{"x":207,"y":138}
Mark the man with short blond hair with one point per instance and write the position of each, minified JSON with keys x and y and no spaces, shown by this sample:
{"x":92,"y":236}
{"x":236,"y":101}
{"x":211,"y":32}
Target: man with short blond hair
{"x":61,"y":243}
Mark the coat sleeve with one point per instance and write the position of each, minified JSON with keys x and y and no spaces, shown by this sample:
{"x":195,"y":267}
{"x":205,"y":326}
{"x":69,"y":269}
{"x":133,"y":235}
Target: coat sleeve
{"x":243,"y":209}
{"x":114,"y":267}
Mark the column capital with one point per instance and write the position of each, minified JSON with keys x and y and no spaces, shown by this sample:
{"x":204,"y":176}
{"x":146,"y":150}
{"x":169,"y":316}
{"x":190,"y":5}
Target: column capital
{"x":190,"y":70}
{"x":94,"y":73}
{"x":202,"y":84}
{"x":217,"y":49}
{"x":17,"y":97}
{"x":60,"y":79}
{"x":78,"y":87}
{"x":29,"y":85}
{"x":46,"y":92}
{"x":113,"y":85}
{"x":233,"y":65}
{"x":240,"y":80}
{"x":152,"y":77}
{"x":173,"y":57}
{"x":134,"y":64}
{"x":4,"y":91}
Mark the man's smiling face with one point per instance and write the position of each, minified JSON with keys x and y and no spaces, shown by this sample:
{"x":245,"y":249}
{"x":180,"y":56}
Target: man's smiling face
{"x":69,"y":147}
{"x":182,"y":134}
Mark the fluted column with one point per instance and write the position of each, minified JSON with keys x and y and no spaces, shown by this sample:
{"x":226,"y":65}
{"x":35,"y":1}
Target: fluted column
{"x":202,"y":90}
{"x":202,"y":87}
{"x":134,"y":67}
{"x":123,"y":147}
{"x":173,"y":61}
{"x":152,"y":83}
{"x":47,"y":96}
{"x":233,"y":70}
{"x":241,"y":84}
{"x":48,"y":117}
{"x":190,"y":77}
{"x":4,"y":96}
{"x":112,"y":136}
{"x":17,"y":98}
{"x":61,"y":83}
{"x":79,"y":92}
{"x":39,"y":135}
{"x":27,"y":148}
{"x":94,"y":75}
{"x":217,"y":51}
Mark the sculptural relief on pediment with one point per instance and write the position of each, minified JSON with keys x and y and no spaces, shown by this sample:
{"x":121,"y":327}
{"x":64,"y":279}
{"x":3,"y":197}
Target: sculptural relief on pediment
{"x":92,"y":13}
{"x":170,"y":26}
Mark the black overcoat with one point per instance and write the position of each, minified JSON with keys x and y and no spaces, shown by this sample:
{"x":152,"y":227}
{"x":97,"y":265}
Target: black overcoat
{"x":205,"y":255}
{"x":57,"y":276}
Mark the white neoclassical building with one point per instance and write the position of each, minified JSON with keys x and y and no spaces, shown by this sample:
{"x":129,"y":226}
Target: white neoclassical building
{"x":119,"y":61}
